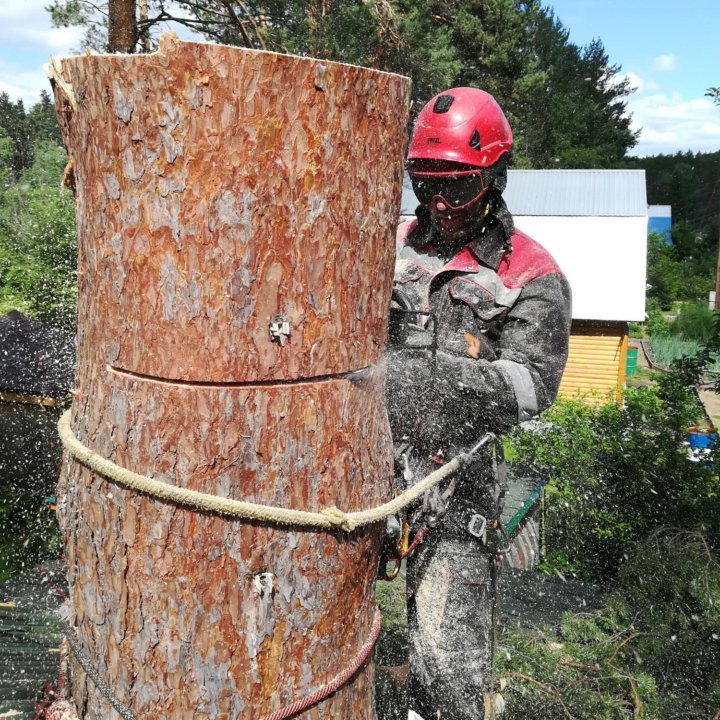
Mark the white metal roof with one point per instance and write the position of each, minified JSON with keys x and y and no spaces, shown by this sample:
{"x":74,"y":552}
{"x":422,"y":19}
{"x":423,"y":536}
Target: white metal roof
{"x":576,"y":193}
{"x":660,"y":211}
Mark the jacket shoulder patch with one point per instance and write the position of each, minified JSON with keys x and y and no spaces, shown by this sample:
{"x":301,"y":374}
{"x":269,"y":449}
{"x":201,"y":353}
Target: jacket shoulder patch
{"x":528,"y":261}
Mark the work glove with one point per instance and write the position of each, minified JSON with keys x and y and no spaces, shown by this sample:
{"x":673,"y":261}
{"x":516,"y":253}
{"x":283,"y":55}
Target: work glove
{"x":409,"y":387}
{"x":427,"y":398}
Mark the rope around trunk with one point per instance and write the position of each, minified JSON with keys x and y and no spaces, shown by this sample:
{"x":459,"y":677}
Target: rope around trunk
{"x":331,"y":518}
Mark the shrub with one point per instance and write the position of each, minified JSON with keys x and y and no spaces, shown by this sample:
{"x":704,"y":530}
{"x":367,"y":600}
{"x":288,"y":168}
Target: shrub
{"x":656,"y":324}
{"x":671,"y":587}
{"x":619,"y":474}
{"x":573,"y":672}
{"x":694,"y":321}
{"x":652,"y":652}
{"x":38,"y":242}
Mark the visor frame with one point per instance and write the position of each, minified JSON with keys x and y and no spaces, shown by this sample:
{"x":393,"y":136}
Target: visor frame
{"x":439,"y":175}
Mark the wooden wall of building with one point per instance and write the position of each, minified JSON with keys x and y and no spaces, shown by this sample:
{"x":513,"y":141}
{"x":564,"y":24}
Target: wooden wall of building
{"x":597,"y":362}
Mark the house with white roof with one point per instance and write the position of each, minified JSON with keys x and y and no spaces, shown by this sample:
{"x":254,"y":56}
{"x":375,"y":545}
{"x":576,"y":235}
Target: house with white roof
{"x":595,"y":224}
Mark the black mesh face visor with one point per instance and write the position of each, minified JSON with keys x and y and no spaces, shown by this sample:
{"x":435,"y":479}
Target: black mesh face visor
{"x":455,"y":190}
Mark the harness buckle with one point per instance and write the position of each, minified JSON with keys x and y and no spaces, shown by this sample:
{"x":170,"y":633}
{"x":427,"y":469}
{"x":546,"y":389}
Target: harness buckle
{"x":477,"y":526}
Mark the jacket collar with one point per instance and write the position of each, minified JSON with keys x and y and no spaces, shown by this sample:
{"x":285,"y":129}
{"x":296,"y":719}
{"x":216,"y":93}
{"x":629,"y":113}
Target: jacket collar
{"x":487,"y":247}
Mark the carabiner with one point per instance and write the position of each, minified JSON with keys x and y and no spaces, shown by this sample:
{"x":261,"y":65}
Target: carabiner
{"x":402,"y":553}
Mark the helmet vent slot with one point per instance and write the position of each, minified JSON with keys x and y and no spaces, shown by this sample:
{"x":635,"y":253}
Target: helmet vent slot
{"x":443,"y":103}
{"x":475,"y":140}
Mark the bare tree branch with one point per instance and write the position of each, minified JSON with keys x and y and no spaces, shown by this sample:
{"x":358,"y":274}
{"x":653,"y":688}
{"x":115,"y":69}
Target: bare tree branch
{"x":256,"y":29}
{"x":241,"y":25}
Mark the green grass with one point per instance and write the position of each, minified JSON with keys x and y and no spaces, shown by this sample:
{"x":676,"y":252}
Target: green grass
{"x":667,"y":348}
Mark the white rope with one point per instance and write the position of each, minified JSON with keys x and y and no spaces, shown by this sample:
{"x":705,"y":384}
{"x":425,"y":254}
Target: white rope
{"x":330,"y":518}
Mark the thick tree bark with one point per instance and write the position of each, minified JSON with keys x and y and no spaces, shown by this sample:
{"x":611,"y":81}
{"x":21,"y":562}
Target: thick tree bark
{"x":122,"y":26}
{"x":218,"y":191}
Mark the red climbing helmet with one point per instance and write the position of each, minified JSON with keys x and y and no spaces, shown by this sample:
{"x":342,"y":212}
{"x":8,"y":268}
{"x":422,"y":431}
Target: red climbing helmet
{"x":462,"y":125}
{"x":460,"y":148}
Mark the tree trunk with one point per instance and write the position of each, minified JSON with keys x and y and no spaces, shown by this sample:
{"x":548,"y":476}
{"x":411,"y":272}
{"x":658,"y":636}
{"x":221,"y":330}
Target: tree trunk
{"x":122,"y":26}
{"x":220,"y":190}
{"x":143,"y":14}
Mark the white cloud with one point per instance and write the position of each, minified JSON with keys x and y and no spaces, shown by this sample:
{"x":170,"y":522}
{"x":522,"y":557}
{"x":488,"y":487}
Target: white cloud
{"x":25,"y":26}
{"x":22,"y":83}
{"x":665,"y":63}
{"x":27,"y":41}
{"x":636,"y":82}
{"x":671,"y":124}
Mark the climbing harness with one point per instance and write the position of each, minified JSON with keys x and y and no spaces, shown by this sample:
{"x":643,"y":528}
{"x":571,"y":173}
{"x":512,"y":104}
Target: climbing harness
{"x":473,"y":522}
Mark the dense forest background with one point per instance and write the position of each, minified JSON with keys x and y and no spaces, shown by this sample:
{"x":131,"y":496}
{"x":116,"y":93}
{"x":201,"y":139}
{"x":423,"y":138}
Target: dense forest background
{"x":690,"y":183}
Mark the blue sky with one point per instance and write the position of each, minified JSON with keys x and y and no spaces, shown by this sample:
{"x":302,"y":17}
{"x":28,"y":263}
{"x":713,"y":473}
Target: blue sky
{"x":670,"y":50}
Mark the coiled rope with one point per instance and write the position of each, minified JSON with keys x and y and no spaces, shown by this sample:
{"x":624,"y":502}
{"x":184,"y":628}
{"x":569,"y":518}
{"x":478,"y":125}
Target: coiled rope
{"x":331,"y":518}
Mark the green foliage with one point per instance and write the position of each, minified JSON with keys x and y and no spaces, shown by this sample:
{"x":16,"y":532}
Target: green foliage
{"x":13,"y":123}
{"x":575,"y":672}
{"x":38,"y":241}
{"x":679,"y":272}
{"x":685,"y":181}
{"x":618,"y":474}
{"x":656,"y":324}
{"x":668,"y":348}
{"x":596,"y":131}
{"x":694,"y":321}
{"x":664,"y":274}
{"x":684,"y":270}
{"x":671,"y":587}
{"x":5,"y":159}
{"x":20,"y":131}
{"x":702,"y":353}
{"x":393,"y":644}
{"x":653,"y":650}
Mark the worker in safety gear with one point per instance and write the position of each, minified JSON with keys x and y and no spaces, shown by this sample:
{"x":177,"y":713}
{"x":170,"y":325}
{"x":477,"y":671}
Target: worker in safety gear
{"x":486,"y":352}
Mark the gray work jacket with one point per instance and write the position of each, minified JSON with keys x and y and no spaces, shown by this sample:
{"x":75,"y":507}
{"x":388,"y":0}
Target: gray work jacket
{"x":502,"y":298}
